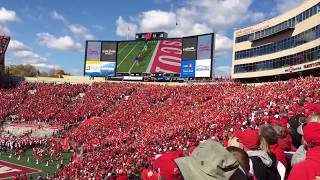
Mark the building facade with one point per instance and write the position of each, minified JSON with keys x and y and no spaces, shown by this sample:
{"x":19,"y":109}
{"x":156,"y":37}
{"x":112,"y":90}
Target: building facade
{"x":283,"y":46}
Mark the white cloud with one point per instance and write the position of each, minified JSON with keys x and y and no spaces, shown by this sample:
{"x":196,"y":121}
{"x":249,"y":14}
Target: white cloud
{"x":24,"y":53}
{"x":4,"y":30}
{"x":60,"y":43}
{"x":222,"y":15}
{"x":55,"y":15}
{"x":195,"y":17}
{"x":286,"y":5}
{"x":45,"y":67}
{"x":80,"y":31}
{"x":157,"y":20}
{"x":15,"y":45}
{"x":223,"y":45}
{"x":125,"y":28}
{"x":224,"y":70}
{"x":29,"y":56}
{"x":257,"y":17}
{"x":77,"y":30}
{"x":7,"y":15}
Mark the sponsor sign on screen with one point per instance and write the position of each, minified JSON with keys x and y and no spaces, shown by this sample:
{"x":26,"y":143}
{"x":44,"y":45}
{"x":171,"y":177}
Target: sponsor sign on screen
{"x":203,"y":68}
{"x":109,"y":51}
{"x":108,"y":68}
{"x":204,"y":48}
{"x":93,"y":51}
{"x":92,"y":68}
{"x":189,"y":48}
{"x":188,"y":69}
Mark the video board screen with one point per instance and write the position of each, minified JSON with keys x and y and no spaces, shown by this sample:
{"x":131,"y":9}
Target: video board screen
{"x":198,"y":53}
{"x":203,"y":68}
{"x":108,"y":58}
{"x":189,"y":51}
{"x":93,"y":51}
{"x":149,"y":56}
{"x":188,"y":68}
{"x":195,"y":68}
{"x":108,"y":52}
{"x":100,"y":58}
{"x":204,"y":49}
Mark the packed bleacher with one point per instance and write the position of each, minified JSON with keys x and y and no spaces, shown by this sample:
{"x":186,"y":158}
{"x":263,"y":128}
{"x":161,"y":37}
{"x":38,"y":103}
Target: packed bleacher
{"x":138,"y":131}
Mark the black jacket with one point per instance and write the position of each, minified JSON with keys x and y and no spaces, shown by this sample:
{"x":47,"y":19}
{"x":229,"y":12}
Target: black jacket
{"x":263,"y":172}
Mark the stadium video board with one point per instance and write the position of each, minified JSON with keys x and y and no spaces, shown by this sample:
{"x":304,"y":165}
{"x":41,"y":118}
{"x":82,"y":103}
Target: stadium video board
{"x":189,"y":56}
{"x":189,"y":48}
{"x":149,"y":56}
{"x":197,"y":56}
{"x":100,"y":58}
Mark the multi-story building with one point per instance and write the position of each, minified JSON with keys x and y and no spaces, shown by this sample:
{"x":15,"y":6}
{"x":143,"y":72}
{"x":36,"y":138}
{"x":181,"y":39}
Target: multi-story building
{"x":279,"y":48}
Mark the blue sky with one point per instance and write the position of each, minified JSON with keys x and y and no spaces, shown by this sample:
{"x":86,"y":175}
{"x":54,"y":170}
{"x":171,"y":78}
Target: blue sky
{"x":52,"y":34}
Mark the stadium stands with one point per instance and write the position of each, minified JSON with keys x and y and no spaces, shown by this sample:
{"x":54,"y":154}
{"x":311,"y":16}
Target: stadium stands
{"x":136,"y":121}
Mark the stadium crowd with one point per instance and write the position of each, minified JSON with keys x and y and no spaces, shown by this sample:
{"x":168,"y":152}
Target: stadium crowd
{"x":151,"y":131}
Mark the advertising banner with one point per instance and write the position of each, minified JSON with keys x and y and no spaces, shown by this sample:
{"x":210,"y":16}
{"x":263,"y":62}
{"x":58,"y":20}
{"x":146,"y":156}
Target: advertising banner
{"x":108,"y":68}
{"x":92,"y":68}
{"x":109,"y":51}
{"x":189,"y":48}
{"x":203,"y":68}
{"x":204,"y":48}
{"x":188,"y":69}
{"x":93,"y":51}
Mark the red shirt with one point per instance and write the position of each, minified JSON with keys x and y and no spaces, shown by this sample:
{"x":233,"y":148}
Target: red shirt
{"x":309,"y":168}
{"x":144,"y":175}
{"x":278,"y":152}
{"x":123,"y":177}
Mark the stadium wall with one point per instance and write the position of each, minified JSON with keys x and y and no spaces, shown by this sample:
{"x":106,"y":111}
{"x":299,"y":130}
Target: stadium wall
{"x":286,"y":44}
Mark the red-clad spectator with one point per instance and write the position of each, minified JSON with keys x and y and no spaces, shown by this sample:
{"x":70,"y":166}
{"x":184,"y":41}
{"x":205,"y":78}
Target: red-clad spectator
{"x":137,"y":121}
{"x":309,"y":168}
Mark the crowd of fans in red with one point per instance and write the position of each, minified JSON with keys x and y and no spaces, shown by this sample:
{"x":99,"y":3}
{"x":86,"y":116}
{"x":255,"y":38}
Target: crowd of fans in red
{"x":58,"y":104}
{"x":138,"y":122}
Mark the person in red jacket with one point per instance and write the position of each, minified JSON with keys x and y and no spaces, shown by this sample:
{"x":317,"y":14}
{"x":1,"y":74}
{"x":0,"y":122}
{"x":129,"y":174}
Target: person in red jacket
{"x":24,"y":177}
{"x":309,"y":169}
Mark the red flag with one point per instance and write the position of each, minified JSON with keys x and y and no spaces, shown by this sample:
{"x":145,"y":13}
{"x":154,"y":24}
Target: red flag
{"x":148,"y":36}
{"x":65,"y":144}
{"x":51,"y":152}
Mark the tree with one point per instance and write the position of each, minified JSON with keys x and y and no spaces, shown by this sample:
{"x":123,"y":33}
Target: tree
{"x":28,"y":70}
{"x":22,"y":70}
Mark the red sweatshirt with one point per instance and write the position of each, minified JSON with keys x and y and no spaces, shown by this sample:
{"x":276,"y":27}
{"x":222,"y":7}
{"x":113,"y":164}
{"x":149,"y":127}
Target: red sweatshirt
{"x":309,"y":168}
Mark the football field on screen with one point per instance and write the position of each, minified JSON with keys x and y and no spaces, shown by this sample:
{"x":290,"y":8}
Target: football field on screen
{"x":127,"y":52}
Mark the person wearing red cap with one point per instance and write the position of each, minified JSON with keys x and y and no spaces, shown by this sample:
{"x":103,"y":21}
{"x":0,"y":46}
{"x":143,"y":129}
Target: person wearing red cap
{"x":166,"y":166}
{"x":263,"y":163}
{"x":309,"y":168}
{"x":249,"y":139}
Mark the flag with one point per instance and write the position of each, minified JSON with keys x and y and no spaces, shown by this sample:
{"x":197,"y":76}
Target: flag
{"x":51,"y":152}
{"x":65,"y":144}
{"x":148,"y":36}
